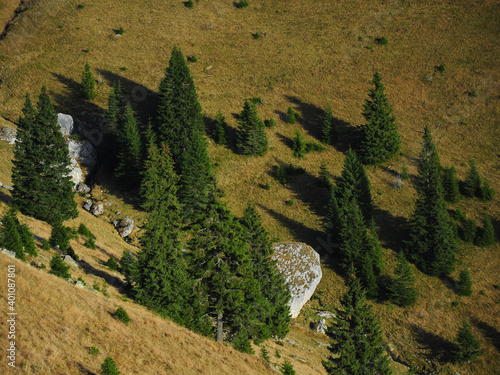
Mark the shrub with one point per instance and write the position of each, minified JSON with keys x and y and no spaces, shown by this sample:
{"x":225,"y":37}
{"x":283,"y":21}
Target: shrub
{"x":243,"y":4}
{"x":111,"y":264}
{"x":486,"y":236}
{"x":123,"y":68}
{"x":455,"y":303}
{"x":468,"y":347}
{"x":277,"y":354}
{"x":59,"y":268}
{"x":313,"y":146}
{"x":60,"y":236}
{"x":464,"y":283}
{"x":266,"y":186}
{"x":256,"y":35}
{"x":192,"y":59}
{"x":94,"y":350}
{"x":121,"y":315}
{"x":257,"y":99}
{"x":290,"y":116}
{"x":45,"y":245}
{"x":108,"y":367}
{"x":271,"y":123}
{"x":383,"y":41}
{"x":219,"y":131}
{"x":265,"y":354}
{"x":473,"y":94}
{"x":84,"y":231}
{"x":189,"y":4}
{"x":82,"y":281}
{"x":287,"y":368}
{"x":87,"y":86}
{"x":241,"y":342}
{"x":120,"y":31}
{"x":299,"y":145}
{"x":90,"y":243}
{"x":469,"y":230}
{"x":80,"y":6}
{"x":487,"y":193}
{"x":440,"y":68}
{"x":290,"y":202}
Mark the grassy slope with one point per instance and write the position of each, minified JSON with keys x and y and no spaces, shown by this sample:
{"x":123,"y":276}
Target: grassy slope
{"x":311,"y":53}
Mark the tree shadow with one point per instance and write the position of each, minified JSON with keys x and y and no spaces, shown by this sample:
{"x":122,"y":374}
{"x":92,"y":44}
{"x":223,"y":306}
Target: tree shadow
{"x":281,"y":115}
{"x":83,"y":370}
{"x":229,"y":130}
{"x":312,"y":118}
{"x":490,"y":332}
{"x":6,"y":198}
{"x":287,"y":141}
{"x":111,"y":280}
{"x":393,"y":231}
{"x":435,"y":347}
{"x":449,"y":283}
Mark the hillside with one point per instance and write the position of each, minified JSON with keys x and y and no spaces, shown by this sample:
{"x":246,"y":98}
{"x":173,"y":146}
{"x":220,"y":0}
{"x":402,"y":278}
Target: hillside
{"x":309,"y":53}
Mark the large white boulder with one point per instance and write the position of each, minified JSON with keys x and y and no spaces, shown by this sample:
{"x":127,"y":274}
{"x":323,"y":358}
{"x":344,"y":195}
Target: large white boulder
{"x":83,"y":151}
{"x":66,"y":123}
{"x":7,"y":135}
{"x":301,"y":267}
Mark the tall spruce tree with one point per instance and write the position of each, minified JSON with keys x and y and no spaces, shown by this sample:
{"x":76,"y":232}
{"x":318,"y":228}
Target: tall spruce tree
{"x":328,"y":131}
{"x":40,"y":174}
{"x":464,"y":285}
{"x":402,"y":289}
{"x":195,"y":180}
{"x":432,"y":245}
{"x":272,"y":315}
{"x":87,"y":85}
{"x":469,"y":347}
{"x":219,"y":131}
{"x":179,"y":111}
{"x":381,"y":140}
{"x":251,"y":137}
{"x":486,"y":235}
{"x":356,"y":345}
{"x":472,"y":184}
{"x":162,"y":282}
{"x":129,"y":158}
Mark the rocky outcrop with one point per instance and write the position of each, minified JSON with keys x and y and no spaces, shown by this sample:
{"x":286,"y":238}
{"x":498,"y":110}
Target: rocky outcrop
{"x":124,"y":226}
{"x":8,"y":135}
{"x":83,"y":151}
{"x":300,"y":265}
{"x":321,"y":326}
{"x":66,"y":123}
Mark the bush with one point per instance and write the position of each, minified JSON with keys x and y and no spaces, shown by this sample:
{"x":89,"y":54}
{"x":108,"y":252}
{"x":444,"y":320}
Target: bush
{"x":59,"y":268}
{"x":265,"y":354}
{"x":256,"y":35}
{"x":313,"y":146}
{"x":45,"y":245}
{"x":111,"y":264}
{"x":189,"y":4}
{"x":60,"y":236}
{"x":257,"y":99}
{"x":121,"y":315}
{"x":108,"y":367}
{"x":486,"y":235}
{"x":243,"y":4}
{"x":290,"y":202}
{"x":94,"y":350}
{"x":192,"y":59}
{"x":271,"y":123}
{"x":298,"y":145}
{"x":82,"y":281}
{"x":473,"y":94}
{"x":277,"y":354}
{"x":468,"y":348}
{"x":487,"y":193}
{"x":241,"y":342}
{"x":266,"y":186}
{"x":469,"y":230}
{"x":383,"y":41}
{"x":80,"y":6}
{"x":290,"y":116}
{"x":87,"y":86}
{"x":287,"y":368}
{"x":84,"y":231}
{"x":219,"y":130}
{"x":120,"y":31}
{"x":440,"y":68}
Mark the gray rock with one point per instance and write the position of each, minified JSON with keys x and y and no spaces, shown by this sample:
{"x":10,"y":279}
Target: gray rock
{"x":76,"y":172}
{"x":124,"y":226}
{"x":36,"y":263}
{"x":9,"y":253}
{"x":83,"y":152}
{"x":7,"y":187}
{"x":326,"y":314}
{"x":97,"y":209}
{"x":82,"y":188}
{"x":300,"y":265}
{"x":87,"y":205}
{"x":79,"y":284}
{"x":68,"y":260}
{"x":321,"y":326}
{"x":66,"y":123}
{"x":8,"y":135}
{"x":300,"y":359}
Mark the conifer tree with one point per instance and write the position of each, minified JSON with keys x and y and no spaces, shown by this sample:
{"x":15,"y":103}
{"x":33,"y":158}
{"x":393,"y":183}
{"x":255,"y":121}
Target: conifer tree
{"x":402,"y":290}
{"x":114,"y":114}
{"x":42,"y":186}
{"x":272,"y":311}
{"x":328,"y":132}
{"x":194,"y":183}
{"x":356,"y":345}
{"x":450,"y":185}
{"x":324,"y":178}
{"x":128,"y":266}
{"x":219,"y":132}
{"x":109,"y":367}
{"x":10,"y":238}
{"x":432,"y":244}
{"x":59,"y":268}
{"x":333,"y":219}
{"x":28,"y":240}
{"x":290,"y":116}
{"x":298,"y":145}
{"x":381,"y":139}
{"x":129,"y":159}
{"x":88,"y":83}
{"x":464,"y":285}
{"x":472,"y":184}
{"x":487,"y":233}
{"x":487,"y":192}
{"x":287,"y":368}
{"x":161,"y":281}
{"x":179,"y":111}
{"x":469,"y":348}
{"x":251,"y":137}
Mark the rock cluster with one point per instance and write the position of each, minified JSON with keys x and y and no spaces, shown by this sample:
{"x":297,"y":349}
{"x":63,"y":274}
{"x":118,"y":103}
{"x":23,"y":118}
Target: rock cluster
{"x":124,"y":226}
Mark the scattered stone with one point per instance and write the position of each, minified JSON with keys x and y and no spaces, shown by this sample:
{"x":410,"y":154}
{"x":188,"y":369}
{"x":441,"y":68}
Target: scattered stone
{"x":275,"y":368}
{"x":322,"y":344}
{"x":82,"y":188}
{"x":87,"y":205}
{"x":69,"y":280}
{"x":300,"y":359}
{"x":301,"y":267}
{"x":124,"y":226}
{"x":326,"y":314}
{"x":36,"y":263}
{"x":79,"y":284}
{"x":66,"y":123}
{"x":97,"y":209}
{"x":68,"y":260}
{"x":7,"y":187}
{"x":321,"y":326}
{"x":109,"y":203}
{"x":83,"y":151}
{"x":76,"y":172}
{"x":8,"y":135}
{"x":393,"y":352}
{"x":117,"y":213}
{"x":9,"y":253}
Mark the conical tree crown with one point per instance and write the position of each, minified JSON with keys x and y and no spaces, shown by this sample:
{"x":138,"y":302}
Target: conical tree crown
{"x":328,"y":131}
{"x":402,"y":290}
{"x":251,"y":137}
{"x":469,"y":347}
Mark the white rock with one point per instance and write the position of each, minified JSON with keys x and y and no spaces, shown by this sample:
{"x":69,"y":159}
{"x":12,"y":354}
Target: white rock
{"x":301,"y":267}
{"x":97,"y":209}
{"x":326,"y":314}
{"x":124,"y":226}
{"x":79,"y":284}
{"x":321,"y":326}
{"x":76,"y":172}
{"x":83,"y":151}
{"x":68,"y":260}
{"x":8,"y":135}
{"x":9,"y":253}
{"x":66,"y":123}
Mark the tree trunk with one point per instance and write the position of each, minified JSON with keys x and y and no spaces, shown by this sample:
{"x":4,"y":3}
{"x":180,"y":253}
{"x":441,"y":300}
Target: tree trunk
{"x":219,"y":328}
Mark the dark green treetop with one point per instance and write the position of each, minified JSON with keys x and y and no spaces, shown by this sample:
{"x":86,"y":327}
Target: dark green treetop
{"x":251,"y":137}
{"x":87,"y":85}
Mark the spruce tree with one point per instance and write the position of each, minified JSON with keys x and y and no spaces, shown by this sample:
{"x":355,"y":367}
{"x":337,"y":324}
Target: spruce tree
{"x":42,"y":186}
{"x":108,"y":367}
{"x":60,"y":236}
{"x":487,"y":192}
{"x":450,"y":185}
{"x":486,"y":236}
{"x":161,"y":280}
{"x":28,"y":240}
{"x":251,"y":137}
{"x":196,"y":177}
{"x":10,"y":238}
{"x":290,"y":116}
{"x":272,"y":314}
{"x":59,"y":268}
{"x":356,"y":345}
{"x":432,"y":244}
{"x":469,"y":347}
{"x":287,"y":368}
{"x":128,"y":266}
{"x":179,"y":111}
{"x":328,"y":131}
{"x":324,"y":177}
{"x":472,"y":183}
{"x":333,"y":219}
{"x":464,"y":285}
{"x":402,"y":290}
{"x":117,"y":104}
{"x":298,"y":145}
{"x":87,"y":86}
{"x":129,"y":158}
{"x":219,"y":132}
{"x":381,"y":140}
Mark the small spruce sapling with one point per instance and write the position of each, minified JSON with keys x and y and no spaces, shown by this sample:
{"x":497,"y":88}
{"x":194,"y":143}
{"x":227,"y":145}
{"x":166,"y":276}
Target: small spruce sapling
{"x":59,"y":268}
{"x":299,"y":145}
{"x":469,"y":347}
{"x":108,"y":367}
{"x":486,"y":236}
{"x":121,"y":315}
{"x":88,"y":83}
{"x":472,"y":184}
{"x":290,"y":116}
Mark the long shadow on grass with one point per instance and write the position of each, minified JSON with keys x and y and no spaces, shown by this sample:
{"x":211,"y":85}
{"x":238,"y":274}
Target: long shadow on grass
{"x":392,"y":230}
{"x":435,"y":347}
{"x":111,"y":280}
{"x":490,"y":332}
{"x":5,"y":197}
{"x":312,"y":117}
{"x":83,"y":370}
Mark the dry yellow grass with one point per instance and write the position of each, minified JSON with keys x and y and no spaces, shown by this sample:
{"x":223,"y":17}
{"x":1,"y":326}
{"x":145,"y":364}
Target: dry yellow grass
{"x":310,"y":54}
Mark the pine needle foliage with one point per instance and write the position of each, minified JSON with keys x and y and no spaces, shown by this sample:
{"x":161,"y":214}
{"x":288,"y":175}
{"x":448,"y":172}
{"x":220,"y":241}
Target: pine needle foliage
{"x":469,"y":347}
{"x":290,"y":116}
{"x":10,"y":236}
{"x":472,"y":183}
{"x":402,"y":289}
{"x":356,"y":347}
{"x":40,"y":174}
{"x":219,"y":131}
{"x":450,"y":185}
{"x":464,"y":285}
{"x":58,"y":267}
{"x":87,"y":85}
{"x":109,"y":367}
{"x":381,"y":140}
{"x":298,"y":145}
{"x":328,"y":131}
{"x":251,"y":138}
{"x":486,"y":235}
